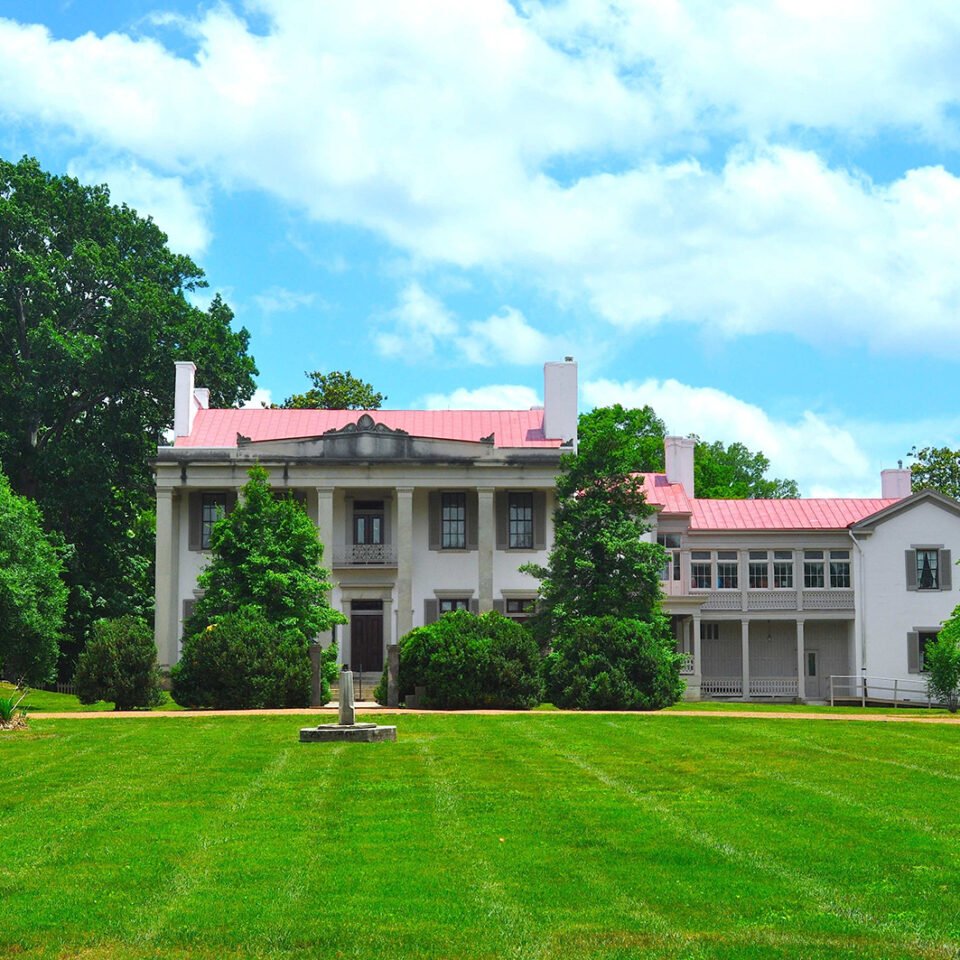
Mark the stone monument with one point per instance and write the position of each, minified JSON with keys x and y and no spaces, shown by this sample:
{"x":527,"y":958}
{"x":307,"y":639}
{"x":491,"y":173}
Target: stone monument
{"x":347,"y":728}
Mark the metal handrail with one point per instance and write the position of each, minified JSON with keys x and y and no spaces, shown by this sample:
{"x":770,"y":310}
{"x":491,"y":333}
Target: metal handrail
{"x":866,"y":688}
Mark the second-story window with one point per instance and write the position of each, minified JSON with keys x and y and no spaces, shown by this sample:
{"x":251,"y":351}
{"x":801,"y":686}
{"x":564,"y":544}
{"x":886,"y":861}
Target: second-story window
{"x":783,"y":569}
{"x":520,"y":521}
{"x":453,"y":521}
{"x":727,"y":578}
{"x":701,"y":570}
{"x":840,"y":569}
{"x":759,"y":570}
{"x":813,"y":569}
{"x":213,"y":507}
{"x":368,"y":522}
{"x":928,"y":569}
{"x":671,"y":542}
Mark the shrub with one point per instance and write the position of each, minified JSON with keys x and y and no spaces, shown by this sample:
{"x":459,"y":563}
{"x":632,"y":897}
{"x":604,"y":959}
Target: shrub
{"x":12,"y":715}
{"x":464,"y":660}
{"x":607,"y":663}
{"x":243,"y":661}
{"x":119,"y":664}
{"x":941,"y":662}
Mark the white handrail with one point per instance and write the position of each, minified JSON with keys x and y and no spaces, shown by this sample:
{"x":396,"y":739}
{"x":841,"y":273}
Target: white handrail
{"x":903,"y":690}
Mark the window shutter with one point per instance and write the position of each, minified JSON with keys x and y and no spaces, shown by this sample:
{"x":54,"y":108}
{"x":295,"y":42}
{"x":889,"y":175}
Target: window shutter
{"x":473,"y":518}
{"x":946,"y":570}
{"x":194,"y":507}
{"x":474,"y":605}
{"x":500,"y":511}
{"x":539,"y":520}
{"x":500,"y":606}
{"x":913,"y":651}
{"x":431,"y":611}
{"x":433,"y":525}
{"x":911,"y":559}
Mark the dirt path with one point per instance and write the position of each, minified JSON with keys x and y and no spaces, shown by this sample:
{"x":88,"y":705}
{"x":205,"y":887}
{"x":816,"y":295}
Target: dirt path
{"x":323,"y":713}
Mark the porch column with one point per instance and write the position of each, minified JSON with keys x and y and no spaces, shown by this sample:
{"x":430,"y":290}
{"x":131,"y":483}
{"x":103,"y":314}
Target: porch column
{"x":166,"y":582}
{"x":695,"y":639}
{"x":745,"y":658}
{"x":404,"y":560}
{"x":485,"y":540}
{"x":325,"y":522}
{"x":801,"y":665}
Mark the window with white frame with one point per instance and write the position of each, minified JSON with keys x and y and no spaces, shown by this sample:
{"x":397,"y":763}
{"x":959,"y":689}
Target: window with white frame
{"x":709,"y":631}
{"x":519,"y":608}
{"x":727,"y":570}
{"x":450,"y":604}
{"x":213,"y":507}
{"x":840,"y":569}
{"x":758,"y":569}
{"x":671,"y":543}
{"x":813,"y":578}
{"x":783,"y":569}
{"x":520,"y":521}
{"x":453,"y":521}
{"x":701,"y":570}
{"x":928,"y":569}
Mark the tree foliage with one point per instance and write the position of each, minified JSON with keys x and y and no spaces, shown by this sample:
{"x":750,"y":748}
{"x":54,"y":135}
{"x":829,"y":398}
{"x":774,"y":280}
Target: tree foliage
{"x":266,"y":553}
{"x":335,"y":391}
{"x":941,"y":663}
{"x":33,"y":597}
{"x":634,"y":438}
{"x":600,"y":563}
{"x":94,"y":311}
{"x":119,"y":665}
{"x":936,"y":468}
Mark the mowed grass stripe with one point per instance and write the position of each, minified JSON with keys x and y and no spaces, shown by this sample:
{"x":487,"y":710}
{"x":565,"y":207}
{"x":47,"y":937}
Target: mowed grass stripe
{"x":714,"y":833}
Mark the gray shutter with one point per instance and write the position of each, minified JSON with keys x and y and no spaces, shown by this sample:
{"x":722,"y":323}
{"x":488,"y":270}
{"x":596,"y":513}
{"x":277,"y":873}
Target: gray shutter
{"x":539,"y":520}
{"x":946,"y":571}
{"x":913,"y":652}
{"x":500,"y":512}
{"x":433,"y":521}
{"x":473,"y":518}
{"x":194,"y":508}
{"x":911,"y":560}
{"x":500,"y":606}
{"x":431,"y":611}
{"x":474,"y":605}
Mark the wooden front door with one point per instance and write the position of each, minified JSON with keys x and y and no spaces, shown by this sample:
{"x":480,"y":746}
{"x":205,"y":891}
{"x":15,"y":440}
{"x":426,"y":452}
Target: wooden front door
{"x":366,"y":640}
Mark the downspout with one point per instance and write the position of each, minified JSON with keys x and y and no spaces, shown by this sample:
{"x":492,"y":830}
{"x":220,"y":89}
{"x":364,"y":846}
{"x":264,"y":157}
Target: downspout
{"x":861,"y":621}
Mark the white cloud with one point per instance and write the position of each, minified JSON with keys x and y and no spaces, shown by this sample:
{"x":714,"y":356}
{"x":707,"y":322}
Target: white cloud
{"x":179,"y":209}
{"x":506,"y":337}
{"x":261,"y":398}
{"x":441,"y":126}
{"x":501,"y":396}
{"x":281,"y":300}
{"x":824,"y":458}
{"x":419,"y":321}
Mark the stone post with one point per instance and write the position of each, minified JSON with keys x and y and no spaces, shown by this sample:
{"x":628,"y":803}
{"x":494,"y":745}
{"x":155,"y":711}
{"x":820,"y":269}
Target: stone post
{"x":347,"y":712}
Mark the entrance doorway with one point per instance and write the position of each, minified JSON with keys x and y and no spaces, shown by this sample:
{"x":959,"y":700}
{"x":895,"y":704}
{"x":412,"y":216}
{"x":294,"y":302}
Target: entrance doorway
{"x":366,"y":636}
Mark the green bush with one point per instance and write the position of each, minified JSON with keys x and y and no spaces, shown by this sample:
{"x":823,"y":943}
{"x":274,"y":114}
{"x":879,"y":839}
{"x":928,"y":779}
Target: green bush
{"x":119,"y":664}
{"x":243,"y":661}
{"x":464,"y":660}
{"x":607,"y":663}
{"x":941,"y":663}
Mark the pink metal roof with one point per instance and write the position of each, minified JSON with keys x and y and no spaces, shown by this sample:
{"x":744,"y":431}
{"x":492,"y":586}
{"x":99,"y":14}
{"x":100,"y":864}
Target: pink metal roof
{"x":510,"y":428}
{"x":800,"y":514}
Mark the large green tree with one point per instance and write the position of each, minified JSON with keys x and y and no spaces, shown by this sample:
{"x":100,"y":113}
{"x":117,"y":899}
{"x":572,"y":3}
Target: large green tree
{"x":94,"y":310}
{"x":720,"y":472}
{"x":33,"y":598}
{"x":335,"y":391}
{"x":936,"y":468}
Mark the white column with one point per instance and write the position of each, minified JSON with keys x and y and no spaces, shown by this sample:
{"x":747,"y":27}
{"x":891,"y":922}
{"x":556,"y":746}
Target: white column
{"x":485,"y":542}
{"x":166,"y":579}
{"x":404,"y":560}
{"x":325,"y":522}
{"x":695,"y":638}
{"x":801,"y":666}
{"x":745,"y":655}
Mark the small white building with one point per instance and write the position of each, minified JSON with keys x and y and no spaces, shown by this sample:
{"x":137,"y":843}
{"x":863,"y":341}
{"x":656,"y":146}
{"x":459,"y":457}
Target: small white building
{"x":422,"y":512}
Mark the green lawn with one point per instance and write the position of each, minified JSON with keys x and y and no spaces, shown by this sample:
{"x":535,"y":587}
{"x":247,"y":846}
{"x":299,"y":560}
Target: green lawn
{"x":545,"y":835}
{"x":46,"y":701}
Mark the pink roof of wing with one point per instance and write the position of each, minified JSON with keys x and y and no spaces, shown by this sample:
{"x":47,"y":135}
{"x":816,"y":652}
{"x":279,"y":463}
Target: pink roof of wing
{"x":510,"y":428}
{"x":800,"y":514}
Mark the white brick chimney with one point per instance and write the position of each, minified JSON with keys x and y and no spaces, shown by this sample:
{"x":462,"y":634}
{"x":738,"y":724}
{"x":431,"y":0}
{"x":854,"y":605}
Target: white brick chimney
{"x":184,"y":404}
{"x":560,"y":400}
{"x":895,"y":484}
{"x":678,"y":454}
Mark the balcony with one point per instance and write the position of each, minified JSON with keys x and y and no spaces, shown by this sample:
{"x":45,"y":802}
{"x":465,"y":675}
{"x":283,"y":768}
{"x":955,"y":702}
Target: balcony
{"x":365,"y":555}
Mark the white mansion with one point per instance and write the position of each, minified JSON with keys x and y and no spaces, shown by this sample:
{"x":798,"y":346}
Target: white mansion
{"x":422,"y":512}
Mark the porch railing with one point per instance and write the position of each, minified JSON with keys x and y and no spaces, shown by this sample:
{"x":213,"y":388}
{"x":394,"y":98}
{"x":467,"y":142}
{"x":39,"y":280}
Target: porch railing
{"x":887,"y":690}
{"x":686,"y":664}
{"x":364,"y":554}
{"x":759,"y":687}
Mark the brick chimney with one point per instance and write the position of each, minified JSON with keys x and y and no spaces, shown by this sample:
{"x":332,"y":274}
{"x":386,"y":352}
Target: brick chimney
{"x":560,"y":400}
{"x":678,"y":454}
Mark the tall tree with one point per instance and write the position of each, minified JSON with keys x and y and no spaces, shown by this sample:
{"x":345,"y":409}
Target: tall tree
{"x":94,"y":310}
{"x":936,"y":468}
{"x":335,"y":391}
{"x":720,"y":472}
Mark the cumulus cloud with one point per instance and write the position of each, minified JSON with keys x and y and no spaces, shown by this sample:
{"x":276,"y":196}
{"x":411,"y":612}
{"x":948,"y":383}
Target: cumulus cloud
{"x":418,"y":322}
{"x":178,"y":208}
{"x":261,"y":398}
{"x":825,"y":459}
{"x":499,"y":396}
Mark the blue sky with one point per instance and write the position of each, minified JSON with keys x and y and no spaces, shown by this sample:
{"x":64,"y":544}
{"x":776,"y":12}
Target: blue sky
{"x":744,"y":214}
